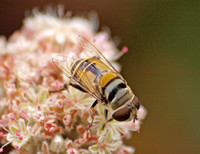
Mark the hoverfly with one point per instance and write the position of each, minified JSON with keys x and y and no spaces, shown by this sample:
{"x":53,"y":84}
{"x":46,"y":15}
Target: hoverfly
{"x":95,"y":75}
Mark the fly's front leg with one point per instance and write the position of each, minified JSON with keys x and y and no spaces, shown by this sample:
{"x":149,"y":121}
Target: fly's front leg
{"x":92,"y":113}
{"x":106,"y":117}
{"x":106,"y":114}
{"x":135,"y":118}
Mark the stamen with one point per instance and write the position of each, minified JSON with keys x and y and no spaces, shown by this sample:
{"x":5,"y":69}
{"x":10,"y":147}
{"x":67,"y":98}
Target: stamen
{"x":138,"y":131}
{"x":16,"y":147}
{"x":23,"y":115}
{"x":50,"y":99}
{"x":12,"y":118}
{"x":31,"y":82}
{"x":119,"y":54}
{"x":93,"y":114}
{"x":18,"y":133}
{"x":88,"y":127}
{"x":123,"y":136}
{"x":1,"y":134}
{"x":125,"y":49}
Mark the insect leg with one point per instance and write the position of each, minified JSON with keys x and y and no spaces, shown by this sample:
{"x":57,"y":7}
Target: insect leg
{"x":106,"y":114}
{"x":94,"y":104}
{"x":106,"y":117}
{"x":91,"y":112}
{"x":135,"y":118}
{"x":65,"y":87}
{"x":77,"y":87}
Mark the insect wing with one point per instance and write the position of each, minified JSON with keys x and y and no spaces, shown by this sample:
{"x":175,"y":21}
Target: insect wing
{"x":64,"y":63}
{"x":89,"y":50}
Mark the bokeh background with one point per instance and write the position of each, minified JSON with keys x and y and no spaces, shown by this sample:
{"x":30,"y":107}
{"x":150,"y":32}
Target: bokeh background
{"x":162,"y":65}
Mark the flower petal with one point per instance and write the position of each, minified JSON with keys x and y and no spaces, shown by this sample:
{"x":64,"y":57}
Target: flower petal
{"x":114,"y":145}
{"x":11,"y":137}
{"x":22,"y":125}
{"x":102,"y":151}
{"x":94,"y":148}
{"x":115,"y":134}
{"x":13,"y":129}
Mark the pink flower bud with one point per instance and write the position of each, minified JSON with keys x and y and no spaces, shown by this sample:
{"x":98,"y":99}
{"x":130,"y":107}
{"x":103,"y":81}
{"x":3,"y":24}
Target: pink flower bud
{"x":1,"y":150}
{"x":20,"y":137}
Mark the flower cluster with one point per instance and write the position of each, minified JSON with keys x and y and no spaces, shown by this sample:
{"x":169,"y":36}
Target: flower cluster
{"x":34,"y":120}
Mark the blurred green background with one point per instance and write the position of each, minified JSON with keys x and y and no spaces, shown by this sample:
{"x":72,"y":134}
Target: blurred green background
{"x":162,"y":65}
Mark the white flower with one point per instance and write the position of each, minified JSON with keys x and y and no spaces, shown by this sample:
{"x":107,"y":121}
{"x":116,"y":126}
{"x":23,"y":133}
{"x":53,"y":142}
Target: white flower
{"x":18,"y":134}
{"x":58,"y":121}
{"x":104,"y":128}
{"x":105,"y":146}
{"x":77,"y":100}
{"x":57,"y":144}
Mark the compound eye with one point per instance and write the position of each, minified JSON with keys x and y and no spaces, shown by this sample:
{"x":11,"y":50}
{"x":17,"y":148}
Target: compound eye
{"x":122,"y":114}
{"x":136,"y":102}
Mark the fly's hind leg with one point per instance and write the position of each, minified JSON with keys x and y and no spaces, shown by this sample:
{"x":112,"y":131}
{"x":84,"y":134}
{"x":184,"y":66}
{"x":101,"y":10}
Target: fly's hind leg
{"x":92,"y":113}
{"x":77,"y":87}
{"x":65,"y":87}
